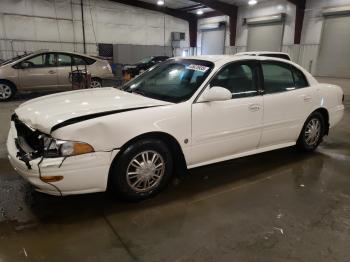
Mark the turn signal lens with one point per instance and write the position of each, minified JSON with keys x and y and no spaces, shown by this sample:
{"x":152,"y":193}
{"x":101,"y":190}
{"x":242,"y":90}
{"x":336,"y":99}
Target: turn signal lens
{"x":48,"y":179}
{"x":75,"y":148}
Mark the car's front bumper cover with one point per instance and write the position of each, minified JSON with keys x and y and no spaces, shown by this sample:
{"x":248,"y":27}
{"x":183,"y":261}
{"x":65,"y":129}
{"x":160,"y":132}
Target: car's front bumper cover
{"x":85,"y":173}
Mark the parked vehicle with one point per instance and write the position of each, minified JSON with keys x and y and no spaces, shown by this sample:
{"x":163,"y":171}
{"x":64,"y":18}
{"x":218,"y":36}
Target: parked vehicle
{"x":143,"y":65}
{"x":266,"y":53}
{"x":49,"y":71}
{"x":185,"y":113}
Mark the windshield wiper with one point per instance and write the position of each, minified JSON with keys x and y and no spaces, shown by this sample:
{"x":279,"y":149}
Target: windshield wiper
{"x":138,"y":92}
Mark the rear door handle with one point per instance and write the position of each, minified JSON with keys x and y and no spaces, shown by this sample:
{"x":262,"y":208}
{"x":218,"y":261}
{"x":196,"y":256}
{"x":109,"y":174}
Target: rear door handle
{"x":52,"y":72}
{"x":254,"y":107}
{"x":307,"y":98}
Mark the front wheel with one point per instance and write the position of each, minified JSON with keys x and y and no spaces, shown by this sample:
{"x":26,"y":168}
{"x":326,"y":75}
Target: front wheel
{"x":141,"y":170}
{"x":312,"y":132}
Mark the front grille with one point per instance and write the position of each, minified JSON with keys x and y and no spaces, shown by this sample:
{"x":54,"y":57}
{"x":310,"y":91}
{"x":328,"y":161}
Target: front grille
{"x":29,"y":142}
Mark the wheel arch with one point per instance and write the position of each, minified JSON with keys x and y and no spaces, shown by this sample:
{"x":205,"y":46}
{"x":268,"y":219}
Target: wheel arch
{"x":180,"y":167}
{"x":324,"y":112}
{"x":9,"y":82}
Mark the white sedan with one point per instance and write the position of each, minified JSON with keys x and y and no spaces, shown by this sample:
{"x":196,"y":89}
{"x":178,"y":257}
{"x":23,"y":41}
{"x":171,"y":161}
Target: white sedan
{"x":182,"y":113}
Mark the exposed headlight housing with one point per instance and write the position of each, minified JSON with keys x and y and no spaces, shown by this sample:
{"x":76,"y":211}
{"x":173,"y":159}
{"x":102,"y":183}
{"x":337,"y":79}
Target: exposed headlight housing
{"x":61,"y":148}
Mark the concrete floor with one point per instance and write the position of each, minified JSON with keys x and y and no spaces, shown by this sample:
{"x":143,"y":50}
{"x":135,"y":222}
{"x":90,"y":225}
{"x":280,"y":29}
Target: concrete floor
{"x":276,"y":206}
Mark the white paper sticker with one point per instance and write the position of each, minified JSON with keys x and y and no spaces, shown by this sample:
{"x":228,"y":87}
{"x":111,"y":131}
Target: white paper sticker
{"x":198,"y":68}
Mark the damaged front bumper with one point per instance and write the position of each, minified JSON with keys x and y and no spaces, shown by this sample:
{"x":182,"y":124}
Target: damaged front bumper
{"x":81,"y":174}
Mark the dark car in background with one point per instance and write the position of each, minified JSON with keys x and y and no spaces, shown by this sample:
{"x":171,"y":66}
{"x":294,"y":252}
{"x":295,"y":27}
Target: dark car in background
{"x":143,"y":65}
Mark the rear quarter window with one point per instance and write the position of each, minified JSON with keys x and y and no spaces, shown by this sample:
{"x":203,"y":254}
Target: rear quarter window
{"x":299,"y":78}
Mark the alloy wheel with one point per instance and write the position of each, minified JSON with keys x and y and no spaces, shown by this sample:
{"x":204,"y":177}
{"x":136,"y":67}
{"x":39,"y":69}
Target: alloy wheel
{"x":5,"y":92}
{"x":95,"y":84}
{"x":313,"y":132}
{"x":145,"y":171}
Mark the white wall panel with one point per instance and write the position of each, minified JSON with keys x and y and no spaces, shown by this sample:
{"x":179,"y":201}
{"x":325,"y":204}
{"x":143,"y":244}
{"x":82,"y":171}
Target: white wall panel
{"x":105,"y":22}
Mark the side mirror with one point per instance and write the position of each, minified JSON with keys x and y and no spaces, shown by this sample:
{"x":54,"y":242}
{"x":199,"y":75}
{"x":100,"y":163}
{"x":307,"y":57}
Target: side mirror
{"x":25,"y":65}
{"x":216,"y":93}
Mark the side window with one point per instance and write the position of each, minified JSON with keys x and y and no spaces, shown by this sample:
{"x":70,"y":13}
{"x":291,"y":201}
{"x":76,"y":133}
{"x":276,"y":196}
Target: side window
{"x":78,"y":60}
{"x":299,"y":78}
{"x":64,"y":60}
{"x":238,"y":78}
{"x":277,"y":77}
{"x":43,"y":60}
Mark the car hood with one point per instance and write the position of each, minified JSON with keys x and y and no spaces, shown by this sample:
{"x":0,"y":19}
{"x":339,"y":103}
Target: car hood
{"x":45,"y":112}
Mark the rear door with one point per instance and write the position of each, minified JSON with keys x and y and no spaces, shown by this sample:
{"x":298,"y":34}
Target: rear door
{"x":40,"y":72}
{"x":287,"y":103}
{"x":64,"y":67}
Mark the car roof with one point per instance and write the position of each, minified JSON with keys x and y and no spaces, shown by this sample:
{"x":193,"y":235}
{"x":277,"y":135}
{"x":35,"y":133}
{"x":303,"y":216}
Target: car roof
{"x":38,"y":52}
{"x":222,"y":59}
{"x":261,"y":53}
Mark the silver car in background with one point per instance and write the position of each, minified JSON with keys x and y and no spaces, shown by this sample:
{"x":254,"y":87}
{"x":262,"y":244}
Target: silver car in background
{"x":48,"y":71}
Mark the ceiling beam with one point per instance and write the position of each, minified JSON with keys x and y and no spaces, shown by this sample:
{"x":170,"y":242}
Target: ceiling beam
{"x":189,"y":17}
{"x":210,"y":14}
{"x":227,"y":9}
{"x":191,"y":8}
{"x":299,"y":19}
{"x":166,"y":10}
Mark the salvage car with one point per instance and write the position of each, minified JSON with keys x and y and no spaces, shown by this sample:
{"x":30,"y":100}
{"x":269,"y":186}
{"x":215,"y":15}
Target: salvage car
{"x":143,"y":65}
{"x":48,"y":71}
{"x":181,"y":114}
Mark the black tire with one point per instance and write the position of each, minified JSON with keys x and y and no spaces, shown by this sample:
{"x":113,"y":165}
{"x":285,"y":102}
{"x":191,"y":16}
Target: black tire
{"x":119,"y":181}
{"x":308,"y":146}
{"x":7,"y":90}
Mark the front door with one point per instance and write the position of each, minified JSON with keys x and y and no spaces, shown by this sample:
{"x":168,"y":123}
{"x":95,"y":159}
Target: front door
{"x":38,"y":72}
{"x":221,"y":129}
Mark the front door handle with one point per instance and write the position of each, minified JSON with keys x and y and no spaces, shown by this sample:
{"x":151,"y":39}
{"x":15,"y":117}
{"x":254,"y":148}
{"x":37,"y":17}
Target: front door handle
{"x":52,"y":71}
{"x":254,"y":107}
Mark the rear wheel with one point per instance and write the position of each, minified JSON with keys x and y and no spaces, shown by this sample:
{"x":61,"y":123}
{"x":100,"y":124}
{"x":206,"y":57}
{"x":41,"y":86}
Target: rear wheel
{"x":95,"y":83}
{"x":7,"y":90}
{"x":312,"y":132}
{"x":142,"y":170}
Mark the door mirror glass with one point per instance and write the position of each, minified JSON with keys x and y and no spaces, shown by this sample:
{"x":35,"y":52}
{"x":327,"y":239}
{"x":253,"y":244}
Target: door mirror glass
{"x":25,"y":64}
{"x":216,"y":93}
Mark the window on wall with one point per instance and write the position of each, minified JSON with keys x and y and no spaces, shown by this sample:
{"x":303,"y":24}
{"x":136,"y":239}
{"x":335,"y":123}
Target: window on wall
{"x":278,"y":77}
{"x":238,"y":78}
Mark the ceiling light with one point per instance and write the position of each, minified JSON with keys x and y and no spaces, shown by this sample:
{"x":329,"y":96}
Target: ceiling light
{"x":199,"y":12}
{"x":252,"y":2}
{"x":280,"y":7}
{"x":160,"y":2}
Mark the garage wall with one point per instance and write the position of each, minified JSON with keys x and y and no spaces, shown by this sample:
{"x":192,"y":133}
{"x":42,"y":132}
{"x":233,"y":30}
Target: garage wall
{"x":266,"y":9}
{"x":312,"y":31}
{"x":28,"y":25}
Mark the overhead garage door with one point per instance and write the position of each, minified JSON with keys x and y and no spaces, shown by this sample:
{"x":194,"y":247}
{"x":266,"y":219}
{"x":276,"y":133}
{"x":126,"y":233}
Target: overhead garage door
{"x":334,"y":55}
{"x":213,"y":41}
{"x":265,"y":37}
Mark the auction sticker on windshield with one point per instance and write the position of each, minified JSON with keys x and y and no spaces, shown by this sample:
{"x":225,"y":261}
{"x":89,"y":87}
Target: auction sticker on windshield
{"x":198,"y":68}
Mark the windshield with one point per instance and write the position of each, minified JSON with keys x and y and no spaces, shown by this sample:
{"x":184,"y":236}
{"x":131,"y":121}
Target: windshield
{"x":173,"y":80}
{"x":14,"y":59}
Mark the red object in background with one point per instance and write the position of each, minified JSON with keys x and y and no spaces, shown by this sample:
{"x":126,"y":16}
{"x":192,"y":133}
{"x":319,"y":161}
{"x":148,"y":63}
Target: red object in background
{"x":80,"y":79}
